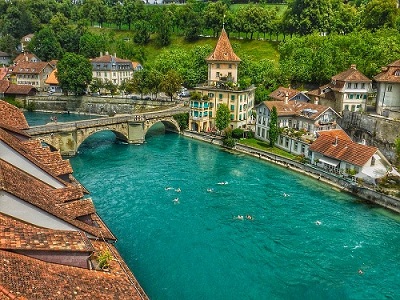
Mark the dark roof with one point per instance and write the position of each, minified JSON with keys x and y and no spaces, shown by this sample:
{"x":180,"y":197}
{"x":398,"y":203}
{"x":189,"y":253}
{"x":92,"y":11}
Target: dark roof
{"x":109,"y":58}
{"x":20,"y":89}
{"x":223,"y":50}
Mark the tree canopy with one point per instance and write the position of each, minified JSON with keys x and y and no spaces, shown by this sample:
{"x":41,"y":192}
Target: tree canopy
{"x":223,"y":117}
{"x":74,"y":73}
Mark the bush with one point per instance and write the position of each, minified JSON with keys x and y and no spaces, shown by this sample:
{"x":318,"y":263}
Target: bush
{"x":31,"y":106}
{"x":237,"y":133}
{"x":104,"y":258}
{"x":229,"y":142}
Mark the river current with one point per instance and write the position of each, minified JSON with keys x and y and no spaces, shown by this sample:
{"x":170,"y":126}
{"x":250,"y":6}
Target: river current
{"x":175,"y":205}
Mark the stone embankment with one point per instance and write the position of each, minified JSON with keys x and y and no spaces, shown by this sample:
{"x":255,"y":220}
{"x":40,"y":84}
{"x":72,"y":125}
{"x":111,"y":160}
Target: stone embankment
{"x":339,"y":183}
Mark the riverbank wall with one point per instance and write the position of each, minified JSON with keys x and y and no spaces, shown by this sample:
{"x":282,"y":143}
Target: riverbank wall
{"x":96,"y":105}
{"x":339,"y":183}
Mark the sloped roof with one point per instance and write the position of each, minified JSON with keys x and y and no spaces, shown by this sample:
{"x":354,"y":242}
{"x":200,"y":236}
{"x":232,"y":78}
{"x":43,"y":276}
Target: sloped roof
{"x":340,"y":133}
{"x":223,"y":51}
{"x":3,"y":73}
{"x":52,"y":79}
{"x":19,"y":235}
{"x":350,"y":75}
{"x":388,"y":73}
{"x":4,"y":84}
{"x":41,"y":195}
{"x":109,"y":58}
{"x":280,"y":93}
{"x":304,"y":109}
{"x":25,"y":67}
{"x":12,"y":116}
{"x":343,"y":150}
{"x":5,"y":54}
{"x":25,"y":57}
{"x":36,"y":279}
{"x":20,"y":89}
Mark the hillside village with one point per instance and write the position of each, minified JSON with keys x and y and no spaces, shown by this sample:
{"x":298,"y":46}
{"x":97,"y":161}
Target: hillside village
{"x":49,"y":224}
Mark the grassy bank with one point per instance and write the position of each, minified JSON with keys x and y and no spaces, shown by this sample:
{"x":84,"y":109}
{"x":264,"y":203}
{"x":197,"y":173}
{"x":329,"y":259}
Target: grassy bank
{"x":266,"y":147}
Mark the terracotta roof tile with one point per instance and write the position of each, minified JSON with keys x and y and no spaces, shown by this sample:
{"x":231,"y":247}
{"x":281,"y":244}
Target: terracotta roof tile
{"x":344,"y":150}
{"x":109,"y":58}
{"x":47,"y":162}
{"x":4,"y":84}
{"x":52,"y":79}
{"x":223,"y":50}
{"x":280,"y":93}
{"x":24,"y":57}
{"x":25,"y":67}
{"x":340,"y":133}
{"x":41,"y":195}
{"x":36,"y":279}
{"x":12,"y":116}
{"x":351,"y":74}
{"x":390,"y":73}
{"x":20,"y":89}
{"x":305,"y":109}
{"x":19,"y":235}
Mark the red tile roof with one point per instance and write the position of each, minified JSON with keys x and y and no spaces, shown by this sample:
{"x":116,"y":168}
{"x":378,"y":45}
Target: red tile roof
{"x":223,"y":50}
{"x":340,"y":133}
{"x":305,"y":109}
{"x":35,"y":279}
{"x":280,"y":93}
{"x":25,"y":57}
{"x":4,"y":84}
{"x":44,"y":197}
{"x":52,"y":79}
{"x":20,"y":89}
{"x":19,"y":235}
{"x":350,"y":75}
{"x":12,"y":116}
{"x":109,"y":58}
{"x":390,"y":73}
{"x":343,"y":150}
{"x":25,"y":67}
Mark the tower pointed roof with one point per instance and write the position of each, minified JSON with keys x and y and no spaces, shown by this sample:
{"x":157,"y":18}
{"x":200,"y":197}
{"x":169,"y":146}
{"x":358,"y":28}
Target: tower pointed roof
{"x":223,"y":50}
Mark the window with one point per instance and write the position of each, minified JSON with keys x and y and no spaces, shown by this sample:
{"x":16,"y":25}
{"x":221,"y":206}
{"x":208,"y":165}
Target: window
{"x":356,"y":86}
{"x":217,"y":75}
{"x":353,"y":108}
{"x":210,"y":95}
{"x":364,"y":96}
{"x":363,"y":85}
{"x":230,"y":66}
{"x":346,"y":107}
{"x":218,"y":66}
{"x":349,"y":85}
{"x":232,"y":107}
{"x":358,"y":96}
{"x":351,"y":96}
{"x":389,"y":88}
{"x":229,"y":74}
{"x":287,"y":143}
{"x":220,"y":96}
{"x":232,"y":97}
{"x":232,"y":117}
{"x":397,"y":73}
{"x":258,"y":131}
{"x":296,"y":146}
{"x":303,"y":149}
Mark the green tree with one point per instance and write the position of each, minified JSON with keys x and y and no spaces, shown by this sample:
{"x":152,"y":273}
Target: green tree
{"x":138,"y":83}
{"x":273,"y":130}
{"x":380,"y":13}
{"x":90,"y":45}
{"x":170,"y":83}
{"x":142,"y":32}
{"x":183,"y":120}
{"x":214,"y":16}
{"x":223,"y":117}
{"x":111,"y":87}
{"x":163,"y":23}
{"x":74,"y":73}
{"x":45,"y":45}
{"x":96,"y":85}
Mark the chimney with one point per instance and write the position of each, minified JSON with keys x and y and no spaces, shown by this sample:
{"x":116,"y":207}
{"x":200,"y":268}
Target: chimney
{"x":101,"y":53}
{"x":316,"y":100}
{"x":106,"y":52}
{"x":286,"y":98}
{"x":336,"y":141}
{"x":115,"y":54}
{"x":353,"y":66}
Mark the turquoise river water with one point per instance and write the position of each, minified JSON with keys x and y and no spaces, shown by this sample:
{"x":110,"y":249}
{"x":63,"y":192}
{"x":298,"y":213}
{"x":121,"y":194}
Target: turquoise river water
{"x":179,"y":233}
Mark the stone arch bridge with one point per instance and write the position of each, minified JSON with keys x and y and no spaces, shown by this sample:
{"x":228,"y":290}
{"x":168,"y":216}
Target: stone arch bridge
{"x":68,"y":136}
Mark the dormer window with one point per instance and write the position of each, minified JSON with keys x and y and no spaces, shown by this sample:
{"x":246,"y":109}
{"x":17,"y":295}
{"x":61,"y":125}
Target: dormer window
{"x":397,"y":73}
{"x":334,"y":82}
{"x":349,"y":85}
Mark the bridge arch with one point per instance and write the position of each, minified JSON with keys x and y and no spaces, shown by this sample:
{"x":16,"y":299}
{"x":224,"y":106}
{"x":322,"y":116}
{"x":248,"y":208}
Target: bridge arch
{"x":170,"y":124}
{"x":82,"y":135}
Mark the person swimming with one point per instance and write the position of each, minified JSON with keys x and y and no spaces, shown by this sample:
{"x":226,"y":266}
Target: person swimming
{"x":318,"y":222}
{"x":169,"y":188}
{"x":249,"y":217}
{"x":239,"y":217}
{"x":178,"y":190}
{"x":223,"y":183}
{"x":176,"y":200}
{"x":210,"y":190}
{"x":285,"y":195}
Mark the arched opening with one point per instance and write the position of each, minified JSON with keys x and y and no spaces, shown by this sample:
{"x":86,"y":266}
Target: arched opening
{"x":101,"y":140}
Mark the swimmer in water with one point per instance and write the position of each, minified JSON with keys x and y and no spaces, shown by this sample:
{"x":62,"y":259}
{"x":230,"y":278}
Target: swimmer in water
{"x":318,"y":222}
{"x":285,"y":195}
{"x":176,"y":200}
{"x":178,"y":190}
{"x":169,"y":188}
{"x":360,"y":272}
{"x":210,"y":190}
{"x":249,"y":217}
{"x":239,"y":217}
